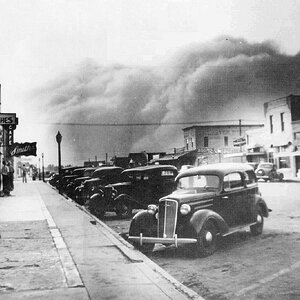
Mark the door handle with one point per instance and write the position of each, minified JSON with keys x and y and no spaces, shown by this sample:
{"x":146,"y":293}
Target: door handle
{"x":225,"y":197}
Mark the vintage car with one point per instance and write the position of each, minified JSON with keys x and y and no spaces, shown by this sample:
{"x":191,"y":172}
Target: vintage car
{"x":140,"y":187}
{"x":57,"y":179}
{"x":209,"y":201}
{"x":268,"y":172}
{"x":81,"y":176}
{"x":100,"y":177}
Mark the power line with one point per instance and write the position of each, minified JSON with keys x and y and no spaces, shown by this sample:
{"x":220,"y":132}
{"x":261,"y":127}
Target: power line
{"x":144,"y":124}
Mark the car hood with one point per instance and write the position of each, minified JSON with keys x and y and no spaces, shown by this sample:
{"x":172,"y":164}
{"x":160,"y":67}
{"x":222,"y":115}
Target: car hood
{"x":183,"y":196}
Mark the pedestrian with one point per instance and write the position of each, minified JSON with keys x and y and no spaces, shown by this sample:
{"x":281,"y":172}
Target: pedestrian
{"x":11,"y":175}
{"x":5,"y":170}
{"x":24,"y":174}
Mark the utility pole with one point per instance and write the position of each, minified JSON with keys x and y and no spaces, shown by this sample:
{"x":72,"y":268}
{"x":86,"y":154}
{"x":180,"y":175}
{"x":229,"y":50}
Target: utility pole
{"x":240,"y":131}
{"x":43,"y":174}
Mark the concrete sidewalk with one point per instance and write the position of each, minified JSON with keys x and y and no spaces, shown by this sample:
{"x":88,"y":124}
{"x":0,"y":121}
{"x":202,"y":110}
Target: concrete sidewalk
{"x":52,"y":249}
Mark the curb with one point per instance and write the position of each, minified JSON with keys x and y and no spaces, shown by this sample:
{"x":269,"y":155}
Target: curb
{"x":134,"y":255}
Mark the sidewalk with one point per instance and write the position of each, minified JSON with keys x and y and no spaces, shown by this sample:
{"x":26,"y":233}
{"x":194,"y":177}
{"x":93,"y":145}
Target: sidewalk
{"x":52,"y":249}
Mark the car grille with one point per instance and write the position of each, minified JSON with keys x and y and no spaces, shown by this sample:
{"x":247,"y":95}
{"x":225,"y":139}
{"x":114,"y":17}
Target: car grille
{"x":167,"y":218}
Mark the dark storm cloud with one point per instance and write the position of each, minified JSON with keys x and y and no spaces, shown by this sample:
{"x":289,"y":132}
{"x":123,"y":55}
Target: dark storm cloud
{"x":225,"y":79}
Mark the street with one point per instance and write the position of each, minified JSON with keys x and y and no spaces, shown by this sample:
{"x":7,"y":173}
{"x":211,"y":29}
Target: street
{"x":244,"y":267}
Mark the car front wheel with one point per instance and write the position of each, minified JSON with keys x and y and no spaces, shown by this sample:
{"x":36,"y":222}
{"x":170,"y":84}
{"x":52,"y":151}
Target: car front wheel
{"x":136,"y":230}
{"x":207,"y":239}
{"x":257,"y":229}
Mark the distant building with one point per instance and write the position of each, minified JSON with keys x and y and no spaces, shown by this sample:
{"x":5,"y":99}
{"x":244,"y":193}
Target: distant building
{"x":136,"y":159}
{"x":218,"y":143}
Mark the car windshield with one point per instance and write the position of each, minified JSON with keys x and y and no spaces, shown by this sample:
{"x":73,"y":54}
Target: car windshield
{"x":199,"y":183}
{"x":266,"y":166}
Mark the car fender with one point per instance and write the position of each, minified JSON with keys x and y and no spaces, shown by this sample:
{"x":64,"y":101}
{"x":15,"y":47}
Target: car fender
{"x":201,"y":216}
{"x":143,"y":219}
{"x":124,"y":197}
{"x":97,"y":196}
{"x":260,"y":202}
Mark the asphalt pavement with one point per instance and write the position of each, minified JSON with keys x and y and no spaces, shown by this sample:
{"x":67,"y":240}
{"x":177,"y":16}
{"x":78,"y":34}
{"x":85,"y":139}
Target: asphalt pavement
{"x":51,"y":248}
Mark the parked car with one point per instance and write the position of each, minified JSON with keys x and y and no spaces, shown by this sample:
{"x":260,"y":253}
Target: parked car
{"x":100,"y":177}
{"x":63,"y":172}
{"x":268,"y":171}
{"x":254,"y":165}
{"x":141,"y":186}
{"x":209,"y":201}
{"x":81,"y":176}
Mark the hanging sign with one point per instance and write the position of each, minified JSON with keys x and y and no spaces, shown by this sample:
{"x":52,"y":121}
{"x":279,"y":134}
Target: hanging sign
{"x":19,"y":149}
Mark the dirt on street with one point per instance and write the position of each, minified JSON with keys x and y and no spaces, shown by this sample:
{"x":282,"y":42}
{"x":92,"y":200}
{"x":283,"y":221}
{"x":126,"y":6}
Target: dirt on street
{"x":243,"y":267}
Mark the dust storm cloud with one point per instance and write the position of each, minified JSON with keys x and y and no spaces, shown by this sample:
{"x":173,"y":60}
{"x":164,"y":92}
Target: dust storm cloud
{"x":225,"y":79}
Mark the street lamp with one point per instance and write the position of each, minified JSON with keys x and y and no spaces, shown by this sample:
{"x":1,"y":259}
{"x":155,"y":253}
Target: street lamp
{"x":219,"y":153}
{"x":43,"y":170}
{"x":58,"y":140}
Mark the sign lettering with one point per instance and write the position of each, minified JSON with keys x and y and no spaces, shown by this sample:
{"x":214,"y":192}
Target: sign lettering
{"x":26,"y":149}
{"x":8,"y":119}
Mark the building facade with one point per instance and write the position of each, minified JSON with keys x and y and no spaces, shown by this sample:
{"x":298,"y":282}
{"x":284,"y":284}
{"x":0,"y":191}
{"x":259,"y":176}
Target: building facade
{"x":282,"y":132}
{"x":218,"y":143}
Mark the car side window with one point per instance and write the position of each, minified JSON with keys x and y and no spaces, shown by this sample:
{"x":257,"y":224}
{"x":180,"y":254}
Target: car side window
{"x":250,"y":178}
{"x":232,"y":181}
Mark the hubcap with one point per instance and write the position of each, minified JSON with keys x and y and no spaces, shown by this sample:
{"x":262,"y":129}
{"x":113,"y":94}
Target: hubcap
{"x":208,"y":237}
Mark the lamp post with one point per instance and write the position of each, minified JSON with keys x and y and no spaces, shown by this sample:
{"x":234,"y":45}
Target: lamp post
{"x":219,"y":153}
{"x":43,"y":173}
{"x":40,"y":168}
{"x":58,"y":140}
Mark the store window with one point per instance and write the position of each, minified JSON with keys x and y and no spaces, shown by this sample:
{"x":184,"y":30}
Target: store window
{"x":284,"y":162}
{"x":226,"y":141}
{"x":282,"y":121}
{"x":206,"y":141}
{"x":271,"y":124}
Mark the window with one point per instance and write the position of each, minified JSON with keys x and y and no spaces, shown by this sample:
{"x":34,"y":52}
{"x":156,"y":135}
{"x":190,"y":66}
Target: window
{"x":250,"y":177}
{"x":225,"y":141}
{"x":187,"y":144}
{"x":282,"y":121}
{"x":232,"y":181}
{"x":200,"y":183}
{"x":271,"y":124}
{"x":284,"y":162}
{"x":206,"y":141}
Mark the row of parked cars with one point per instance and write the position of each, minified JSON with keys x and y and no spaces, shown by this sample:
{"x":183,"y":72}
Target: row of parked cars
{"x":192,"y":207}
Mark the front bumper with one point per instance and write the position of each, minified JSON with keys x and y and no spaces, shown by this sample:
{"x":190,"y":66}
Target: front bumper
{"x":176,"y":241}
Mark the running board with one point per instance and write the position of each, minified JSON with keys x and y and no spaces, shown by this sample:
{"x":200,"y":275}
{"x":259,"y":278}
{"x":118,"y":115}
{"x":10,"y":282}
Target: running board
{"x":238,"y":228}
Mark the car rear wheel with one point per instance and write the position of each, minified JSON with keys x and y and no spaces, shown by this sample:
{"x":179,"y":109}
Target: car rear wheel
{"x":207,"y":239}
{"x":257,"y":229}
{"x":94,"y":207}
{"x":124,"y":210}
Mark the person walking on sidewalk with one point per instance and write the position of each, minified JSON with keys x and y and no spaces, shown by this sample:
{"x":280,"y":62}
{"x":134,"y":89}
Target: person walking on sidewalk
{"x":5,"y":171}
{"x":11,"y":175}
{"x":24,"y":174}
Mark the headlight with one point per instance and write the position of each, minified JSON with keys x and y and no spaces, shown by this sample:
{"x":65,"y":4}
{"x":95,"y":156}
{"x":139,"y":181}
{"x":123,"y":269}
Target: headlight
{"x":185,"y":209}
{"x":152,"y":209}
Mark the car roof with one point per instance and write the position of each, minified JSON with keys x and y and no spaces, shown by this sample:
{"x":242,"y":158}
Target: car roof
{"x":107,"y":168}
{"x":219,"y":169}
{"x":151,"y":167}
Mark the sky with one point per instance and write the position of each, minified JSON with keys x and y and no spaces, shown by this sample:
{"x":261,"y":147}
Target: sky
{"x":83,"y":66}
